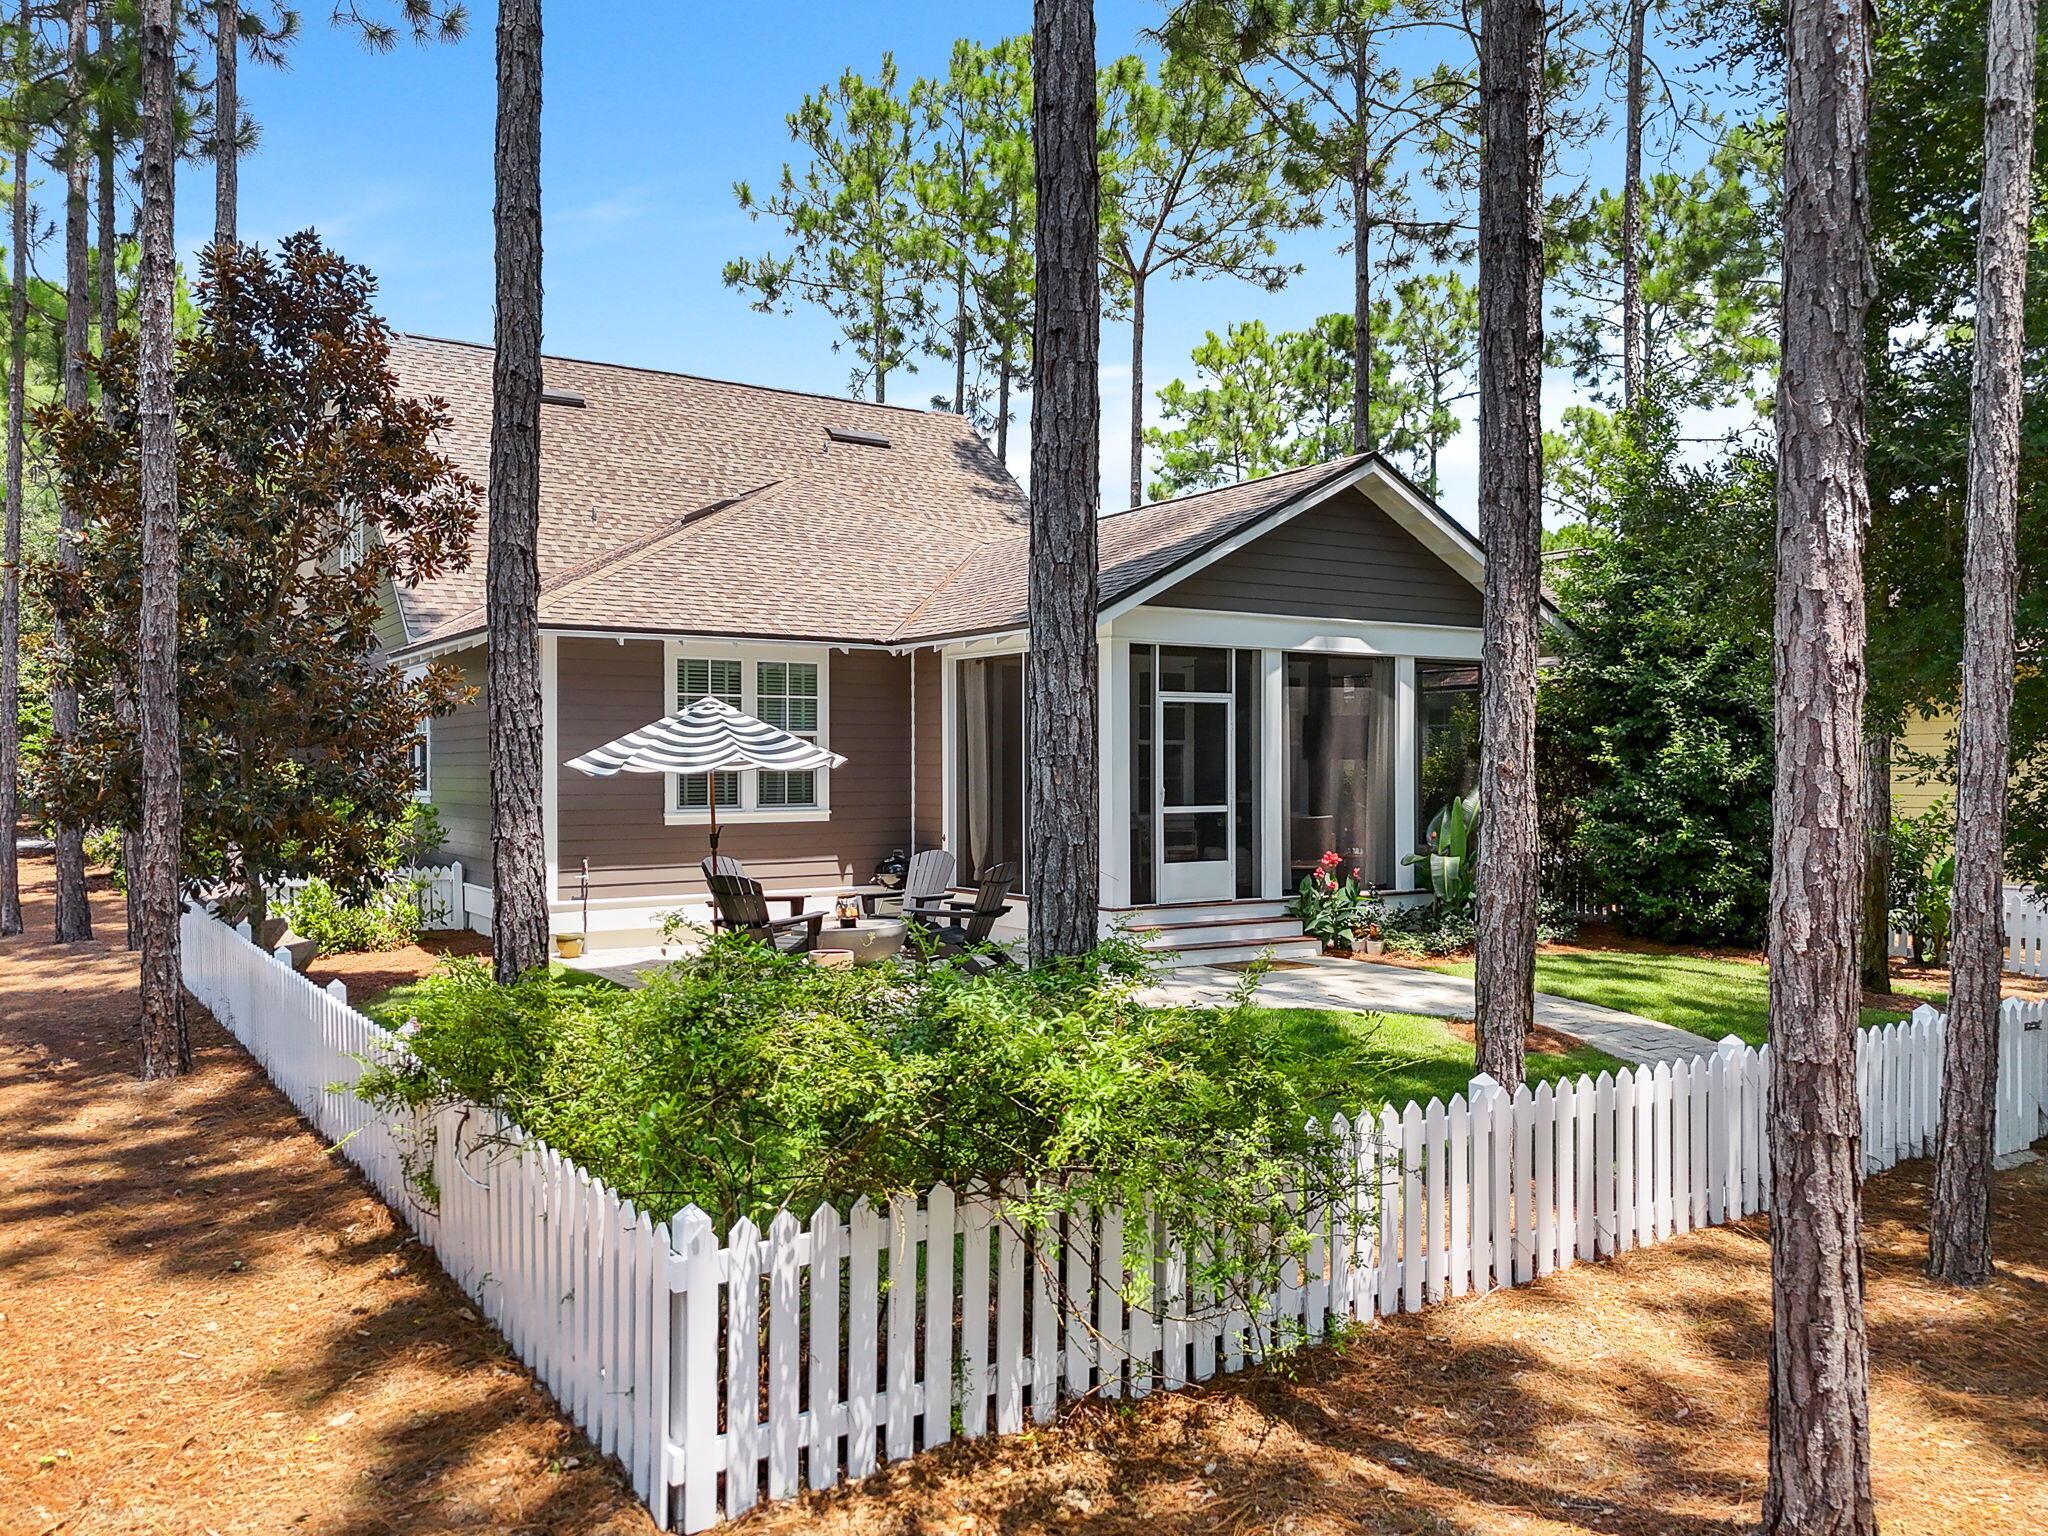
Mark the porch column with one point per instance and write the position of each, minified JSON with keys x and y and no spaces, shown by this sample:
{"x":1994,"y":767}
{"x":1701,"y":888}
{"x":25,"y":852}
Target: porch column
{"x":1113,"y":753}
{"x":551,"y":761}
{"x":1273,"y":773}
{"x":1406,"y":788}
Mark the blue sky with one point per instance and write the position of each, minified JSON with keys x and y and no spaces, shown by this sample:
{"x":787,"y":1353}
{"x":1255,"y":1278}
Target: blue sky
{"x":652,"y":111}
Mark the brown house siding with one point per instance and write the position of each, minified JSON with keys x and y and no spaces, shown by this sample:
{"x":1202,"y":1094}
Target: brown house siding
{"x":1344,"y":559}
{"x":459,"y":753}
{"x":608,"y":689}
{"x":930,"y":668}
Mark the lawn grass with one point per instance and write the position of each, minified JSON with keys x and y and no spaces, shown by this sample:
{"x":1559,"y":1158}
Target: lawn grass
{"x":1710,"y":997}
{"x":1390,"y":1058}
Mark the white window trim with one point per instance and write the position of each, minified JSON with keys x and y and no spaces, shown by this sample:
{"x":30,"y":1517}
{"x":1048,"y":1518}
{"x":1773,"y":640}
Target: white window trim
{"x":749,"y":656}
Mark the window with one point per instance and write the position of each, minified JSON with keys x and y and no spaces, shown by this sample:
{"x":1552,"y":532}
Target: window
{"x":786,"y":693}
{"x":422,"y":754}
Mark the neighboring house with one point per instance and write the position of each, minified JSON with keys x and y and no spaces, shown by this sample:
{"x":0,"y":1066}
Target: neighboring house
{"x":1287,"y":665}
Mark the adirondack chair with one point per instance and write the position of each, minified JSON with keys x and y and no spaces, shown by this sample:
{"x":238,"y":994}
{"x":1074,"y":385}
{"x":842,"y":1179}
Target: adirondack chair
{"x":966,"y":936}
{"x":741,"y":908}
{"x":928,"y":884}
{"x":726,"y":864}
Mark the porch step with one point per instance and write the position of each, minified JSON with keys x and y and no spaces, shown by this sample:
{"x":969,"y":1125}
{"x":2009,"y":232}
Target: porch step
{"x":1237,"y":951}
{"x":1217,"y":932}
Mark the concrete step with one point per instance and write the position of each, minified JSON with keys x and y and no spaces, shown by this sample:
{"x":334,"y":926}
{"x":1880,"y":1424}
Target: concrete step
{"x":1248,"y":929}
{"x":1237,"y":951}
{"x":1168,"y":913}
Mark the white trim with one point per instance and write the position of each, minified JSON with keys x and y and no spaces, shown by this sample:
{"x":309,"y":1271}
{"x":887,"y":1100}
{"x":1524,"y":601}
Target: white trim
{"x":949,"y":747}
{"x":750,"y":658}
{"x":423,"y":784}
{"x":1260,"y":631}
{"x":1407,"y":772}
{"x":728,"y":817}
{"x":1273,"y":773}
{"x":472,"y":639}
{"x":550,"y":756}
{"x":1113,"y":764}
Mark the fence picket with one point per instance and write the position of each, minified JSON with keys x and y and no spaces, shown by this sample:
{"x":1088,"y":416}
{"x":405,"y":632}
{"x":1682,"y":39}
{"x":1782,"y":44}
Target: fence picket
{"x":666,"y":1348}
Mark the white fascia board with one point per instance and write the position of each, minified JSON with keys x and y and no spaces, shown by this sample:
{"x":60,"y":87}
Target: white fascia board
{"x":1293,"y":632}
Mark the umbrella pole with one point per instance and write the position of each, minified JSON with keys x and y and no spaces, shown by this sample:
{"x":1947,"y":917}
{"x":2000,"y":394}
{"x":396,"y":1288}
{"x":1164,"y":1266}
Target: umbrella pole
{"x":711,"y":800}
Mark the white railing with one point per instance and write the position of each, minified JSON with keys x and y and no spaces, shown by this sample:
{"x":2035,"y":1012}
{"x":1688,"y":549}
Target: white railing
{"x":721,"y":1374}
{"x":2026,"y":933}
{"x":441,"y":894}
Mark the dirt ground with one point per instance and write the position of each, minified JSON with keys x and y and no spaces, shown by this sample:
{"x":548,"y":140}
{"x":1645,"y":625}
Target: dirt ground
{"x":208,"y":1325}
{"x":1618,"y":1397}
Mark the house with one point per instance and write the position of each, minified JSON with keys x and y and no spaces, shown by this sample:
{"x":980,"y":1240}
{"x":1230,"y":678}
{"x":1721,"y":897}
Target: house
{"x":1288,"y":665}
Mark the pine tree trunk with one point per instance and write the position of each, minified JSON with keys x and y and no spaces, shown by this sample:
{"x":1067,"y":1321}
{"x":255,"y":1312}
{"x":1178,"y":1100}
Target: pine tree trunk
{"x":74,"y":911}
{"x":227,"y":116}
{"x":1632,"y":214}
{"x":519,"y":923}
{"x":108,"y":244}
{"x":166,"y":1050}
{"x":1063,"y":849}
{"x":1819,"y":1367}
{"x":1959,"y":1235}
{"x":10,"y":548}
{"x":1363,"y":439}
{"x":960,"y":338}
{"x":1003,"y":410}
{"x":1137,"y":391}
{"x":1510,"y":527}
{"x":1876,"y":929}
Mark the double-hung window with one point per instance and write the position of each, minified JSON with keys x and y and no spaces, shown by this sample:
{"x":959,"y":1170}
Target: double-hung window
{"x":786,"y":693}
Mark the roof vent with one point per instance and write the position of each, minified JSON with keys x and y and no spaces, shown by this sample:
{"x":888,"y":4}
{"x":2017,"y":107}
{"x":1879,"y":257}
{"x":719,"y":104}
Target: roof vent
{"x":561,"y":397}
{"x":865,"y":439}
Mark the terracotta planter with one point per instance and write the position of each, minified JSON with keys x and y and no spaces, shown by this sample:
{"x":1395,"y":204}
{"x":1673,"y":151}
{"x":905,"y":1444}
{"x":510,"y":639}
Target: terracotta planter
{"x":570,"y":944}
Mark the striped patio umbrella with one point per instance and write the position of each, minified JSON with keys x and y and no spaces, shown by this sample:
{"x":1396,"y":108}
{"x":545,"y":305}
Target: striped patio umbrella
{"x":709,"y":737}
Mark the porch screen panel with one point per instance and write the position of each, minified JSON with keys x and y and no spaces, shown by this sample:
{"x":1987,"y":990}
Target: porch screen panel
{"x":1446,"y":738}
{"x":1144,"y":789}
{"x":1340,"y":775}
{"x":990,"y":767}
{"x":1245,"y":675}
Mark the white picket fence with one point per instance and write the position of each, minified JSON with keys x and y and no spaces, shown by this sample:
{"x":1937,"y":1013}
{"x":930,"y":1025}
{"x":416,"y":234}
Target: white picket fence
{"x":723,"y":1374}
{"x":2026,"y":933}
{"x":441,"y":896}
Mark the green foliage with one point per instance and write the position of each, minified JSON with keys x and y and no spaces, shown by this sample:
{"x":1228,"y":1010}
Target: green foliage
{"x":1453,"y":842}
{"x":1660,"y":704}
{"x":858,"y":249}
{"x":388,"y":918}
{"x":1435,"y":928}
{"x":295,"y":731}
{"x":977,"y":199}
{"x":1923,"y":880}
{"x":1709,"y":260}
{"x":1335,"y":911}
{"x":743,"y":1081}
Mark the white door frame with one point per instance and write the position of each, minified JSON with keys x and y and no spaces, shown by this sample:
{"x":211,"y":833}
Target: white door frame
{"x":1211,"y":880}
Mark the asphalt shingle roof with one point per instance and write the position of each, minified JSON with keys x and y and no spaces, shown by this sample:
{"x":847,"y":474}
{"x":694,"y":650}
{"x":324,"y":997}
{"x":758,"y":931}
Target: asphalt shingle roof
{"x":675,"y":502}
{"x":697,"y":506}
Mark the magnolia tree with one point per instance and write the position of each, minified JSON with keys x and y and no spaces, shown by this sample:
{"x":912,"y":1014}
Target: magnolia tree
{"x":308,"y":485}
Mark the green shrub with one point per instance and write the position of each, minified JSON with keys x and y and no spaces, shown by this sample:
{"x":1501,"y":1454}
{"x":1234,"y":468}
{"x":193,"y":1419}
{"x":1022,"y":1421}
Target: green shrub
{"x":1439,"y":929}
{"x":390,"y":919}
{"x":743,"y":1081}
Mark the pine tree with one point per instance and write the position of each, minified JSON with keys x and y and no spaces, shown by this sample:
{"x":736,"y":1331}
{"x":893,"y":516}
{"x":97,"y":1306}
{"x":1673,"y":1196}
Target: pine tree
{"x":1959,"y":1236}
{"x":1819,"y":1366}
{"x":1511,"y":217}
{"x":520,"y":894}
{"x":1062,"y":700}
{"x":166,"y":1048}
